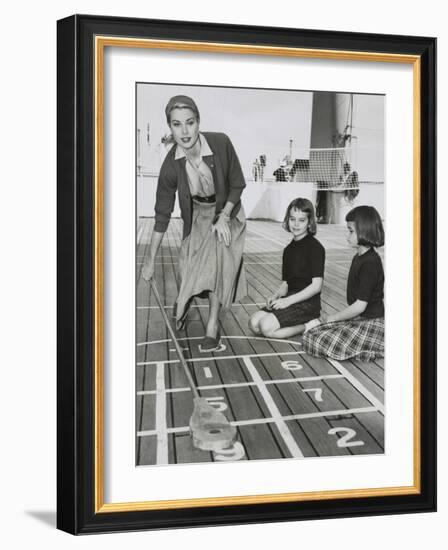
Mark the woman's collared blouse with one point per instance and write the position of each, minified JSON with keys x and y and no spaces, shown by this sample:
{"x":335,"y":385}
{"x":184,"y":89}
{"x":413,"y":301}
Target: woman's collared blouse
{"x":200,"y":178}
{"x":227,"y":174}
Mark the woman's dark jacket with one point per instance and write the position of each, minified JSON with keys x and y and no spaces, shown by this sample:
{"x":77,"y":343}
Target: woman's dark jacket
{"x":227,"y":176}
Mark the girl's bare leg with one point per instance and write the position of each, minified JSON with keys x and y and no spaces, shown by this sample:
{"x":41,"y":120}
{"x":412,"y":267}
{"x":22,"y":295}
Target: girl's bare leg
{"x":254,"y":321}
{"x":270,"y":327}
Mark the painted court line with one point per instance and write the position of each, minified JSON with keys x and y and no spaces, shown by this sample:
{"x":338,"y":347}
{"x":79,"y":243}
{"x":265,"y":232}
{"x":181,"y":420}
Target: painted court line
{"x":245,"y":384}
{"x":287,"y":436}
{"x":291,"y":417}
{"x":162,"y":436}
{"x":168,"y":390}
{"x":218,"y":358}
{"x":245,"y":263}
{"x":357,"y":384}
{"x":208,"y":372}
{"x":139,"y":234}
{"x":244,"y":337}
{"x":258,"y":304}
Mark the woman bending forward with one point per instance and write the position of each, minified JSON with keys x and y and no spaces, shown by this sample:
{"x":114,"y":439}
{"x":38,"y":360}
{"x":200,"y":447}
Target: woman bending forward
{"x":203,"y":168}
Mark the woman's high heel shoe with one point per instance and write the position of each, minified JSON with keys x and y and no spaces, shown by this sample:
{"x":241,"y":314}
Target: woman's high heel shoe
{"x":211,"y":344}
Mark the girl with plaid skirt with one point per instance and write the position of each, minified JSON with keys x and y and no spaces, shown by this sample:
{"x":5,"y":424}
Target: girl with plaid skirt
{"x":358,"y":330}
{"x":298,"y":298}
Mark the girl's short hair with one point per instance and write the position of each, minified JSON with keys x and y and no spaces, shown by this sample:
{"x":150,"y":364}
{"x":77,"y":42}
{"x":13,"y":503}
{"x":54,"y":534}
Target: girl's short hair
{"x":368,"y":225}
{"x":305,"y":206}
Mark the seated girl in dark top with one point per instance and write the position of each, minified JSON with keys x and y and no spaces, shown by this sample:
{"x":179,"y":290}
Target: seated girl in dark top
{"x":358,"y":330}
{"x":298,"y":298}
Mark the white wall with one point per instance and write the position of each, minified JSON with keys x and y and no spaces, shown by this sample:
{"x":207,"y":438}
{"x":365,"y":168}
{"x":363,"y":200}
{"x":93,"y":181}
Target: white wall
{"x":27,"y":299}
{"x":271,"y":118}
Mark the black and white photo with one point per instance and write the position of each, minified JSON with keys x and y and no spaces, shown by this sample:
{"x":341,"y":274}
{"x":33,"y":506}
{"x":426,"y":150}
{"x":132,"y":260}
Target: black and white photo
{"x":260,"y":279}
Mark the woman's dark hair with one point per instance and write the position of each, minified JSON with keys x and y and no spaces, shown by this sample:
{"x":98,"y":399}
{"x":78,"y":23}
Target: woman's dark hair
{"x":368,"y":225}
{"x":305,"y":206}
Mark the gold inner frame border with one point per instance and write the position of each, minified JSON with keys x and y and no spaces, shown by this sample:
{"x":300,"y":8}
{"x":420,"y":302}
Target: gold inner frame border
{"x":100,"y":43}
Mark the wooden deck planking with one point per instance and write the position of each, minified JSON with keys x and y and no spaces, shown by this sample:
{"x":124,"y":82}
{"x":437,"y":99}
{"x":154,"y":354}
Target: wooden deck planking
{"x":291,"y":400}
{"x":144,"y":412}
{"x":337,"y":394}
{"x":360,"y":435}
{"x":249,"y":347}
{"x":147,"y":450}
{"x":245,"y":402}
{"x":142,"y":297}
{"x":320,"y":366}
{"x":142,"y":332}
{"x":299,"y":435}
{"x":375,"y":388}
{"x":269,"y":368}
{"x":371,"y":369}
{"x":349,"y":397}
{"x":241,"y":401}
{"x":155,"y":330}
{"x":148,"y":421}
{"x":181,"y":405}
{"x":373,"y":422}
{"x":316,"y":430}
{"x":259,"y":442}
{"x":186,"y":453}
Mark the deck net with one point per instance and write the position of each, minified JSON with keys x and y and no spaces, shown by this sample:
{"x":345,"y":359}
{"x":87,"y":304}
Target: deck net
{"x":339,"y":168}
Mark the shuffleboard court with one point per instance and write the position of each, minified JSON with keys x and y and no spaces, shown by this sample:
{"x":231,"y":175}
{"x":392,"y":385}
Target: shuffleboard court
{"x":283,"y":403}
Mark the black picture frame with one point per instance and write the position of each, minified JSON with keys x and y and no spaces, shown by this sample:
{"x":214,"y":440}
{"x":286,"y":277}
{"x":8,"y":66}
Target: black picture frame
{"x":79,"y":504}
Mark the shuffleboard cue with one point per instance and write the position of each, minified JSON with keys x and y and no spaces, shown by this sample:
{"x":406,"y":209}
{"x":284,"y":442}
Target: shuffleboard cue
{"x":209,"y":428}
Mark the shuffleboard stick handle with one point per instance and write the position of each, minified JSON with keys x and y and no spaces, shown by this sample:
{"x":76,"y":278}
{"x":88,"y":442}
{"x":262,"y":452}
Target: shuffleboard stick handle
{"x":209,"y":428}
{"x":173,"y":337}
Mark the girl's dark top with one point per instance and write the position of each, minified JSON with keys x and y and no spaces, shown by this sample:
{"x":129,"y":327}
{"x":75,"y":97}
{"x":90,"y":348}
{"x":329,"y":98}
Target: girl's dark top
{"x":302,"y":261}
{"x":227,"y":177}
{"x":366,"y":283}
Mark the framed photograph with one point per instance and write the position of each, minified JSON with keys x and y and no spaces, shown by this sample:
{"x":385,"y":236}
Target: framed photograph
{"x":246,"y":274}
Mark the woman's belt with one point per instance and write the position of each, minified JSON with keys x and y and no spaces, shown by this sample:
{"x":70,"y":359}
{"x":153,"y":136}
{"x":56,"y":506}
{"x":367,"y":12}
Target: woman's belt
{"x":208,"y":200}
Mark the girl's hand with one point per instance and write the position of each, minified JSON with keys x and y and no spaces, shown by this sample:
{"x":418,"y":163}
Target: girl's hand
{"x":281,"y":303}
{"x":312,"y":324}
{"x":148,"y":270}
{"x":325,"y":318}
{"x":221,"y":227}
{"x":270,"y":300}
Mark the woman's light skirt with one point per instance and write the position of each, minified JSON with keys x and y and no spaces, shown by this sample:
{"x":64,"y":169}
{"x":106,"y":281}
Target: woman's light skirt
{"x":207,"y":265}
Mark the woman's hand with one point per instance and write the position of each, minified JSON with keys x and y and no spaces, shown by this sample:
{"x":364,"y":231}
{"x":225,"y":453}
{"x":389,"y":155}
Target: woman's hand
{"x":222,"y":229}
{"x":281,"y":303}
{"x":148,"y":270}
